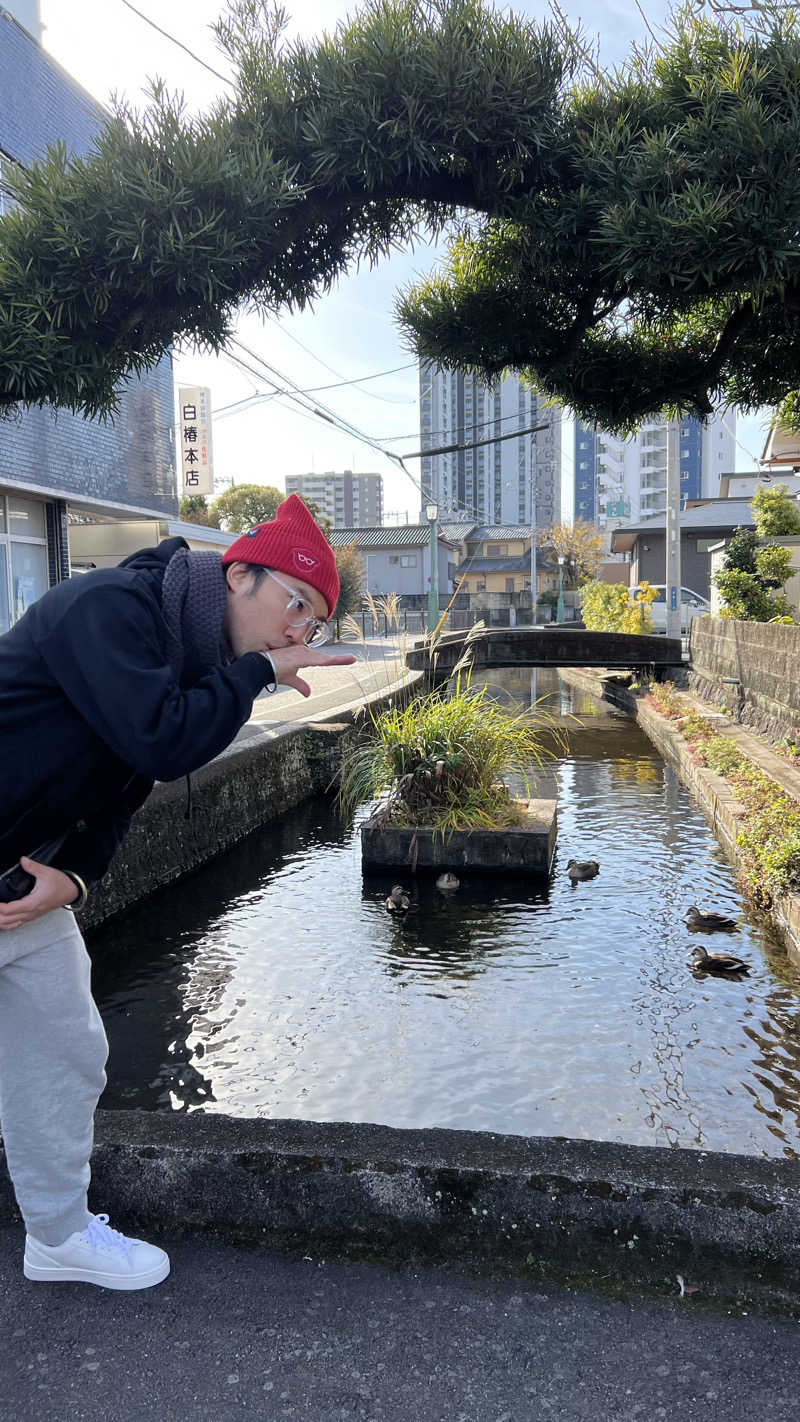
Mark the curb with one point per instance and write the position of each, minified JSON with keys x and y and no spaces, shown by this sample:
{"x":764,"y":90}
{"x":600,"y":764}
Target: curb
{"x":596,"y":1214}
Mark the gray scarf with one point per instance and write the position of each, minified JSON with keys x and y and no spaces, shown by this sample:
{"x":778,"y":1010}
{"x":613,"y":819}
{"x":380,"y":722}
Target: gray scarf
{"x":194,"y":600}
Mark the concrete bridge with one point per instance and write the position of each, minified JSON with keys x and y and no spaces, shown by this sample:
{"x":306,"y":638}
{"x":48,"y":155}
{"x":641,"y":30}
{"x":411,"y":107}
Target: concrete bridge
{"x":550,"y":646}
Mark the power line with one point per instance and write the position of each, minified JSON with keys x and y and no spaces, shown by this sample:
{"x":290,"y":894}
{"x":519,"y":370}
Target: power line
{"x":345,"y":427}
{"x":179,"y":43}
{"x":342,"y":381}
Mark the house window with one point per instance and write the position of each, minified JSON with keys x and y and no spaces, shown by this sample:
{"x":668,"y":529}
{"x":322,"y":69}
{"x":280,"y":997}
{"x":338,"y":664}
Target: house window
{"x":509,"y":585}
{"x":685,"y":475}
{"x":394,"y":558}
{"x":409,"y":560}
{"x":480,"y":585}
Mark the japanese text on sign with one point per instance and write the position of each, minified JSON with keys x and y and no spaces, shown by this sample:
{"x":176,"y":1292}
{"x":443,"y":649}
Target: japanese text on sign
{"x":196,"y":472}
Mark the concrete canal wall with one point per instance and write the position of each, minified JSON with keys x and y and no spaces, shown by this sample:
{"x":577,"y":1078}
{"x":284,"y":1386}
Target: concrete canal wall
{"x":713,"y":793}
{"x":752,"y":669}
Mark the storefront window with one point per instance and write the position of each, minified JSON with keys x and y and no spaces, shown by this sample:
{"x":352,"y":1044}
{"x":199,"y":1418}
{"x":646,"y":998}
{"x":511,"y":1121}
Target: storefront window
{"x":26,"y":518}
{"x":28,"y":575}
{"x":5,"y":620}
{"x":24,"y":573}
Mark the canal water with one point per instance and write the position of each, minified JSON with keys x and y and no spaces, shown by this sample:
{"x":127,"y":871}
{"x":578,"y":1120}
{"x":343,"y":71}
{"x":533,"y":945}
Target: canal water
{"x":274,"y":983}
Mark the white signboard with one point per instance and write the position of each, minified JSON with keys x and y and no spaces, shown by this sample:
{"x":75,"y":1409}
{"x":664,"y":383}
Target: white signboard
{"x":196,"y":472}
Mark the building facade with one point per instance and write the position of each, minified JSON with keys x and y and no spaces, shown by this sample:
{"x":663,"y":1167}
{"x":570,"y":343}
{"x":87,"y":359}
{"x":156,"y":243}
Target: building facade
{"x":349,"y":500}
{"x":488,"y":482}
{"x":52,"y":460}
{"x":622,"y":479}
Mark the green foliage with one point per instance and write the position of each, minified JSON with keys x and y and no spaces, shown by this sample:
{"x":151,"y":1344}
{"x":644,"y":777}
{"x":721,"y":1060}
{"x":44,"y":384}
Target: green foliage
{"x":750,"y":593}
{"x":350,"y":567}
{"x":775,"y":512}
{"x":444,"y":760}
{"x":607,"y":607}
{"x":194,"y":509}
{"x":740,"y":553}
{"x":769,"y":841}
{"x":245,"y":504}
{"x":633,"y":240}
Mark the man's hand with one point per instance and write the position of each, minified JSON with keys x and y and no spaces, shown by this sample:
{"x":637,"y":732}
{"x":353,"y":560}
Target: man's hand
{"x":287,"y":661}
{"x":52,"y":890}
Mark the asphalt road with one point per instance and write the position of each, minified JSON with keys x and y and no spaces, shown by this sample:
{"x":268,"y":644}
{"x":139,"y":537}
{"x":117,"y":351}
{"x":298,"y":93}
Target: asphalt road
{"x":234,"y":1334}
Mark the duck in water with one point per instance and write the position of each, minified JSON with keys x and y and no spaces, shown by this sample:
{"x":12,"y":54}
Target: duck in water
{"x":448,"y":883}
{"x":723,"y":964}
{"x":708,"y":922}
{"x":582,"y":869}
{"x":398,"y":900}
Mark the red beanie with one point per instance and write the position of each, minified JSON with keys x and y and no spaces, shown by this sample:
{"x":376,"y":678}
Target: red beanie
{"x":292,"y":543}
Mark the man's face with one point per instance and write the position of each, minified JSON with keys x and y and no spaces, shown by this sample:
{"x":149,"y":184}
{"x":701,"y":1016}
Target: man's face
{"x":257,"y":619}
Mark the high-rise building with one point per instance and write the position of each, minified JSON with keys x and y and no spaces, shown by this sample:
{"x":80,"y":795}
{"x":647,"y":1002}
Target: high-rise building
{"x":349,"y":500}
{"x":623,"y":480}
{"x":488,"y":482}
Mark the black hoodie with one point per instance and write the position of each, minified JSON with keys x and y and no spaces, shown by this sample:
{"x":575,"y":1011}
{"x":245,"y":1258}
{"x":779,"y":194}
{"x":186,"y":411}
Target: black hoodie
{"x":91,"y":714}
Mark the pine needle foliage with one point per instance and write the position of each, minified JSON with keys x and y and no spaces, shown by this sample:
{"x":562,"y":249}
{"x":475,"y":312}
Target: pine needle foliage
{"x":628,"y":240}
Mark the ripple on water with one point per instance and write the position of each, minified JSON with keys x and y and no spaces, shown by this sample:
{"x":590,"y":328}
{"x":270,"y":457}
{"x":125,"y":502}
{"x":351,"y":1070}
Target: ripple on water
{"x":275,"y":983}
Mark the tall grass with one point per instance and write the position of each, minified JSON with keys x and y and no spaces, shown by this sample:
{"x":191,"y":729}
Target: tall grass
{"x":443,"y":760}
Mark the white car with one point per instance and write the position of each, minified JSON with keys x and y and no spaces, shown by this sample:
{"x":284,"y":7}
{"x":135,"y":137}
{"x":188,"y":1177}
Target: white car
{"x":693,"y":604}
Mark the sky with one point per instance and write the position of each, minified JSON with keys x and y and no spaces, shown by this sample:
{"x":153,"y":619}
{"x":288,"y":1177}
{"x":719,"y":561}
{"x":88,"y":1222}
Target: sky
{"x":351,"y":332}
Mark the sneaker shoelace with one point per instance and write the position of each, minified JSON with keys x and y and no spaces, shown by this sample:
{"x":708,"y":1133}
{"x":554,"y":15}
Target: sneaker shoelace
{"x":100,"y":1235}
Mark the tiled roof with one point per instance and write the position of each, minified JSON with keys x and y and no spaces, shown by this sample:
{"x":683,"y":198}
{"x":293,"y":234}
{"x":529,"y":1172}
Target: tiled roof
{"x":401,"y":535}
{"x":519,"y":563}
{"x":712,"y":513}
{"x":456,"y":532}
{"x":491,"y":531}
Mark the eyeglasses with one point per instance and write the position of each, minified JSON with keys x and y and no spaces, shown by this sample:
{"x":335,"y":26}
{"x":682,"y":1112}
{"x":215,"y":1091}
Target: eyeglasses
{"x":319,"y":631}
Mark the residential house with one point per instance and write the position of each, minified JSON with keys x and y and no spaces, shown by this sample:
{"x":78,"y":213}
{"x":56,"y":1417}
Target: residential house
{"x":703,"y":524}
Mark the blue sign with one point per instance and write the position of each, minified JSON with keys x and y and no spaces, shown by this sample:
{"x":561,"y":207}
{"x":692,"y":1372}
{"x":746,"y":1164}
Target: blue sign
{"x":673,"y":598}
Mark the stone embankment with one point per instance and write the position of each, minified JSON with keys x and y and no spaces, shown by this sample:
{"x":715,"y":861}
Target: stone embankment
{"x":713,"y":793}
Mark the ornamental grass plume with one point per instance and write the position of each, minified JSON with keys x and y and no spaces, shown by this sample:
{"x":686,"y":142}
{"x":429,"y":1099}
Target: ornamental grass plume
{"x":443,"y":760}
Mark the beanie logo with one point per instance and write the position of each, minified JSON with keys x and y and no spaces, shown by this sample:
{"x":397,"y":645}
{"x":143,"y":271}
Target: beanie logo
{"x":304,"y":560}
{"x":253,"y":532}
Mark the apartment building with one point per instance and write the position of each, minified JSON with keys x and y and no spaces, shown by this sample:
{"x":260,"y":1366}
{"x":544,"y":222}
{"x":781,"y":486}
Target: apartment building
{"x":488,"y":478}
{"x":347,"y":499}
{"x":619,"y":480}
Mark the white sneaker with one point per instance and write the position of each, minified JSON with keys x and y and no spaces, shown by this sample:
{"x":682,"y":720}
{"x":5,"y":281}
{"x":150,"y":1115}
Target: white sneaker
{"x":99,"y":1255}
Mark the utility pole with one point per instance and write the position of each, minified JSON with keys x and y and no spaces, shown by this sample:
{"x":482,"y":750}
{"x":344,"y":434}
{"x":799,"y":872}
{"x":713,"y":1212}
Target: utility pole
{"x":673,"y":541}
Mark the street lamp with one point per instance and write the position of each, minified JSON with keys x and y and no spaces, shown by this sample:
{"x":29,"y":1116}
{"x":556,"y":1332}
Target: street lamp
{"x":432,"y":514}
{"x":560,"y":607}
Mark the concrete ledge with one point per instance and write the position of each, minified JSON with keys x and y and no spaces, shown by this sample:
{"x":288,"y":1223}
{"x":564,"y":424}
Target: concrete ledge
{"x":566,"y":1209}
{"x":526,"y":849}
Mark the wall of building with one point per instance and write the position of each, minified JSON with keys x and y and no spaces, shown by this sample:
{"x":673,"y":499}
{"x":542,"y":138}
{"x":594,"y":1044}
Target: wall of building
{"x":490,"y":483}
{"x":127,"y":464}
{"x":349,"y":500}
{"x":621,"y":480}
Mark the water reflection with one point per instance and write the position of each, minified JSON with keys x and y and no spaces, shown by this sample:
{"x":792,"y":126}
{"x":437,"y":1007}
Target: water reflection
{"x":275,"y":983}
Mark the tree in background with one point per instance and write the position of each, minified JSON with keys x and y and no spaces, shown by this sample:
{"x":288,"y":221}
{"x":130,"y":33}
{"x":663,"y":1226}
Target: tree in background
{"x":775,"y":512}
{"x":244,"y":505}
{"x":350,"y":567}
{"x":635,"y":238}
{"x":194,"y":509}
{"x":751,"y":577}
{"x":581,"y":545}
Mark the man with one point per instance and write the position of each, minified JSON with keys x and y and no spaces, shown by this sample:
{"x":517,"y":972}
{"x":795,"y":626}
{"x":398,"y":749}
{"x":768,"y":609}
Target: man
{"x":109,"y":682}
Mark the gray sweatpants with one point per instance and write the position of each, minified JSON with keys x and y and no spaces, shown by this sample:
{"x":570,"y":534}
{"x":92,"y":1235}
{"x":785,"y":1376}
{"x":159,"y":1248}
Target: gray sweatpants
{"x":53,"y":1052}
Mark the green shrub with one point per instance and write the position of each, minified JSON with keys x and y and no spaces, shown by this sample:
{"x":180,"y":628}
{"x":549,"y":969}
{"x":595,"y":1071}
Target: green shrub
{"x":607,"y":607}
{"x":444,"y":760}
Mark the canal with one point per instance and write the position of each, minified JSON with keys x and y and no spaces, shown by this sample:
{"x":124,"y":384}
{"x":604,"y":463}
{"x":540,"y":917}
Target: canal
{"x":274,"y":983}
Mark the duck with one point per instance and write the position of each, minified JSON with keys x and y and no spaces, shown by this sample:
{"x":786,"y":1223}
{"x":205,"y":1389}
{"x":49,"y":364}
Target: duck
{"x":582,"y":869}
{"x":398,"y":900}
{"x":724,"y":964}
{"x":448,"y":882}
{"x":708,"y":922}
